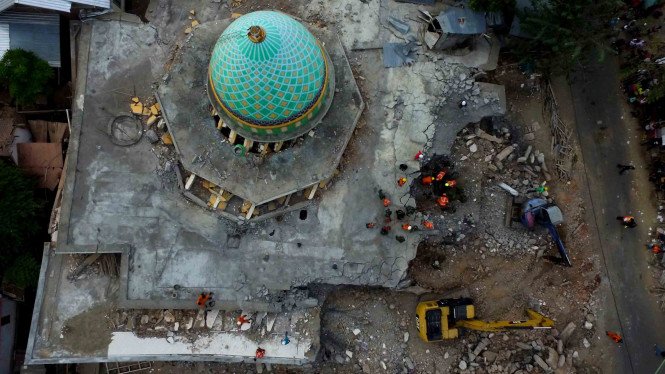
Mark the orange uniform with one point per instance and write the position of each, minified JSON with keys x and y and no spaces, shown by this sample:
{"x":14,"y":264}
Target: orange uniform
{"x":386,"y":201}
{"x":203,"y":299}
{"x":242,"y":319}
{"x":451,"y":183}
{"x":260,"y":352}
{"x":428,"y":225}
{"x":656,"y":249}
{"x":401,"y":181}
{"x":427,"y":180}
{"x":614,"y":336}
{"x":443,"y":201}
{"x":440,"y":175}
{"x":406,"y":227}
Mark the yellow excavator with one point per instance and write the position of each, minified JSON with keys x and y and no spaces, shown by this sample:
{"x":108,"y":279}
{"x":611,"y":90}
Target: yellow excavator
{"x":443,"y":319}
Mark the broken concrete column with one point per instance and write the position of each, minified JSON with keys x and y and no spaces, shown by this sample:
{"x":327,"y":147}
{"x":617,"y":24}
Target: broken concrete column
{"x":483,"y":135}
{"x":504,"y":153}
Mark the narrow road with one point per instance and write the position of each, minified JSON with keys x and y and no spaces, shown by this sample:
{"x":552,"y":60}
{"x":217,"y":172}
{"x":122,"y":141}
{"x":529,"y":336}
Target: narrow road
{"x":608,"y":136}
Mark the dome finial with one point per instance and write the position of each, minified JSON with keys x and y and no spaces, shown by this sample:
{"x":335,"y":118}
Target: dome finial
{"x":256,"y":34}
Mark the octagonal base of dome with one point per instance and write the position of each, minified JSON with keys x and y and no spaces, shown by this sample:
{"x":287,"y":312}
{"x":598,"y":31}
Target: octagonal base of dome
{"x":256,"y":179}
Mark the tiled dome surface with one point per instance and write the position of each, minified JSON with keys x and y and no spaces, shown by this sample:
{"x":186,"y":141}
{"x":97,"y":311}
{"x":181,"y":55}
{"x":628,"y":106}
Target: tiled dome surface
{"x":275,"y":84}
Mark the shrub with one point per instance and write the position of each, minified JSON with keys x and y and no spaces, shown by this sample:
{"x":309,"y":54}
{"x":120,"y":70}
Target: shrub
{"x":25,"y":74}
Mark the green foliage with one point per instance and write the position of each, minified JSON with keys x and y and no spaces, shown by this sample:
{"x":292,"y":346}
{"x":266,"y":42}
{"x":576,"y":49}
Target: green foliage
{"x":565,"y":33}
{"x":19,"y":210}
{"x":24,"y":272}
{"x":25,"y":74}
{"x":491,"y":5}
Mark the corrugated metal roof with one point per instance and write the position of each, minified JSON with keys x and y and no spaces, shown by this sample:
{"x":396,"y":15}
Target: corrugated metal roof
{"x":4,"y":4}
{"x":59,"y":5}
{"x":462,"y":21}
{"x":97,"y":3}
{"x":4,"y":38}
{"x":39,"y":33}
{"x":32,"y":18}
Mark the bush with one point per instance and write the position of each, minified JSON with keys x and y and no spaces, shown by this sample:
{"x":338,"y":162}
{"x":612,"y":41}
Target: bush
{"x":24,"y":272}
{"x":564,"y":33}
{"x":491,"y":5}
{"x":19,"y":210}
{"x":25,"y":74}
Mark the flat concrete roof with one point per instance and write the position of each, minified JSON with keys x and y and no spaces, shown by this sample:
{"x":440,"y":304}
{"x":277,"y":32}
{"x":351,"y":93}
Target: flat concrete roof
{"x":123,"y":200}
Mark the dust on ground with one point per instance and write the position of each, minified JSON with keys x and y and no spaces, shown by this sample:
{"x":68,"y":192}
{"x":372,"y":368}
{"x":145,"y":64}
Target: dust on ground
{"x":88,"y":333}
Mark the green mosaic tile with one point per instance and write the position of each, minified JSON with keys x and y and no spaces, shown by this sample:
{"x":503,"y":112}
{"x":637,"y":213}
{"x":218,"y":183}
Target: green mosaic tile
{"x":276,"y":80}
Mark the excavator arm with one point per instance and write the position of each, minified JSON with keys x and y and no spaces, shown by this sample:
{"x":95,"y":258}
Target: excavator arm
{"x":535,"y":321}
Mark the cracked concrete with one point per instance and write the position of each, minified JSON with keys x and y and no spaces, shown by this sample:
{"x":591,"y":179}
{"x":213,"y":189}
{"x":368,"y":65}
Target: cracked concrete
{"x":115,"y":199}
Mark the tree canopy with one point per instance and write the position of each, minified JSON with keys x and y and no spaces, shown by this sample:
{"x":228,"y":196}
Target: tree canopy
{"x":19,"y":210}
{"x":565,"y":33}
{"x":25,"y":74}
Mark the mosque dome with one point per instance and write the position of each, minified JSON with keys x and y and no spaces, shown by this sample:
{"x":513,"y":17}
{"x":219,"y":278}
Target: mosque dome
{"x":269,"y":78}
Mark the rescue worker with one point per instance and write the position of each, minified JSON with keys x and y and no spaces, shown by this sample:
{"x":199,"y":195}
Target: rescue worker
{"x":205,"y":301}
{"x":286,"y":339}
{"x":628,"y":221}
{"x":242,"y":319}
{"x":260,"y":353}
{"x":655,"y":248}
{"x":440,"y":175}
{"x":428,"y":225}
{"x":419,"y":156}
{"x":443,"y":201}
{"x":400,"y":238}
{"x":386,"y":202}
{"x":401,"y":182}
{"x":385,"y":230}
{"x":400,"y":214}
{"x":614,"y":336}
{"x":370,"y":225}
{"x":406,"y":227}
{"x":427,"y":181}
{"x":450,"y":183}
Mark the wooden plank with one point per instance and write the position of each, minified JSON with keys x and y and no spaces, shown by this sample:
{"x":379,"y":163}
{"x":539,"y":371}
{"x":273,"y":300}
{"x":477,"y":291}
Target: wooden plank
{"x":56,"y":131}
{"x":39,"y":130}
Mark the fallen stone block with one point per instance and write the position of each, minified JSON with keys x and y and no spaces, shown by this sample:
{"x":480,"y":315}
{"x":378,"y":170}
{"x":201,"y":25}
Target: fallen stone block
{"x":541,"y":363}
{"x":504,"y":153}
{"x":483,"y":135}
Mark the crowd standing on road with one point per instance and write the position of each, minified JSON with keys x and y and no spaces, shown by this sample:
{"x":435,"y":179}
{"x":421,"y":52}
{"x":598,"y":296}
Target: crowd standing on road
{"x":638,"y":31}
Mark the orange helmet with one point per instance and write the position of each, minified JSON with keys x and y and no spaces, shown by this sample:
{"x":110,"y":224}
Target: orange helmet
{"x":427,"y":180}
{"x":443,"y":201}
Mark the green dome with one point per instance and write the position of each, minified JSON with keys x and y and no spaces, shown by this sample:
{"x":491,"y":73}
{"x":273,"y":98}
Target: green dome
{"x":269,"y":84}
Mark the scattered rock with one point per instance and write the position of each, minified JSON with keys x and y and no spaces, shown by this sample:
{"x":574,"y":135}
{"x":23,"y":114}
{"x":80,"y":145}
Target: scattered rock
{"x":211,"y":317}
{"x":168,"y":317}
{"x":552,"y":358}
{"x":356,"y":332}
{"x":349,"y":353}
{"x":559,"y":346}
{"x":190,"y":323}
{"x":586,"y":343}
{"x":339,"y":359}
{"x":409,"y":363}
{"x":489,"y":356}
{"x":567,"y":332}
{"x":473,"y":148}
{"x":530,"y":136}
{"x":562,"y":361}
{"x":446,"y":355}
{"x":383,"y":365}
{"x":145,"y":319}
{"x":588,"y":325}
{"x":406,"y":337}
{"x":541,"y":363}
{"x":504,"y":153}
{"x":152,"y":136}
{"x":462,"y":365}
{"x":176,"y":326}
{"x":170,"y":339}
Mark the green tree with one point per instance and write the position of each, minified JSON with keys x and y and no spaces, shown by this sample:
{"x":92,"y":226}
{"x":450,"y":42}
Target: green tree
{"x":19,"y":210}
{"x":565,"y":33}
{"x":24,"y":272}
{"x":25,"y":74}
{"x":491,"y":5}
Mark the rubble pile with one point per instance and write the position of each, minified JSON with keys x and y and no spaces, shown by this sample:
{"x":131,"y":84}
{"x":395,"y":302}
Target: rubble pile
{"x":190,"y":324}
